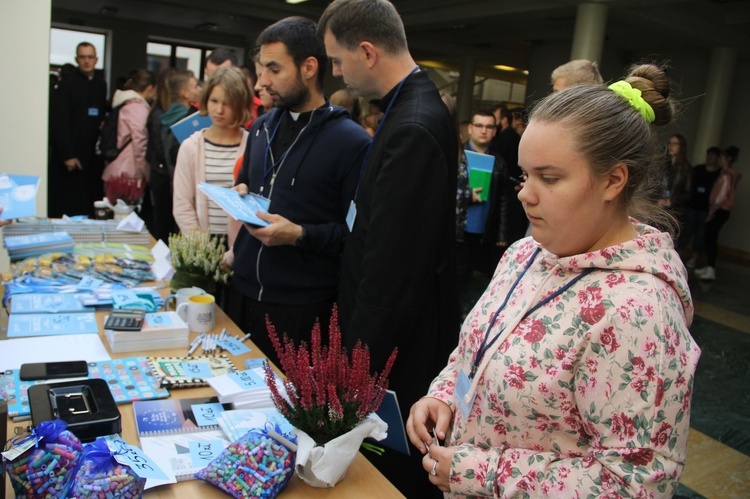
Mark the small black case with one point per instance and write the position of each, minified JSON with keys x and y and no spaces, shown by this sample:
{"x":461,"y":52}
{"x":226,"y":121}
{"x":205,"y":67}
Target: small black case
{"x":87,"y":406}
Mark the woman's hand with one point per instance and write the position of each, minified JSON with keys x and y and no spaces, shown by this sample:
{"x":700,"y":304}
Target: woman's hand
{"x":426,"y":415}
{"x":437,"y":463}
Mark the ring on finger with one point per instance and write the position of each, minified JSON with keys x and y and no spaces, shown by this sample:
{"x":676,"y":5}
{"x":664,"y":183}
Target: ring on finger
{"x":433,"y":471}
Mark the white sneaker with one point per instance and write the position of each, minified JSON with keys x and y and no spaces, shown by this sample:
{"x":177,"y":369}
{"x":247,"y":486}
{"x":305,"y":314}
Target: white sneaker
{"x":706,"y":274}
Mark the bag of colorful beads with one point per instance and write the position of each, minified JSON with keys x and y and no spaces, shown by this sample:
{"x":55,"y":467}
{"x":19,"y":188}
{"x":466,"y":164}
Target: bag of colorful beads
{"x":259,"y":464}
{"x":41,"y":464}
{"x":100,"y":474}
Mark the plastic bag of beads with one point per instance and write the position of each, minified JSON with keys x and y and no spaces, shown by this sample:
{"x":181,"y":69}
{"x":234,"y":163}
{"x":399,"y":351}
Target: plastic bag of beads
{"x":259,"y":464}
{"x":44,"y":468}
{"x":100,"y":475}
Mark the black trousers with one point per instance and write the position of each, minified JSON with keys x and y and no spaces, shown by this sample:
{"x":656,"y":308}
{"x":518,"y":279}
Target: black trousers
{"x":712,"y":235}
{"x":294,"y":321}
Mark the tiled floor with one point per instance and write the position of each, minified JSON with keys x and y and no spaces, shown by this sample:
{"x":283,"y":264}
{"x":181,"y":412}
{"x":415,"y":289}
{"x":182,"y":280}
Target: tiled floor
{"x":718,"y":464}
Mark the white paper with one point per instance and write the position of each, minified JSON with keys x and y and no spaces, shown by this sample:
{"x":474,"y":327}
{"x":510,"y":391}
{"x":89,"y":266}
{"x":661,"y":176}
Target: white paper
{"x":160,"y":250}
{"x":88,"y":347}
{"x":131,"y":223}
{"x":162,"y":269}
{"x":324,"y":466}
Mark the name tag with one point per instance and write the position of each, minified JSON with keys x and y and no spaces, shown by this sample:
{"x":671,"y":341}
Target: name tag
{"x":93,"y":111}
{"x":463,"y":385}
{"x":351,"y":215}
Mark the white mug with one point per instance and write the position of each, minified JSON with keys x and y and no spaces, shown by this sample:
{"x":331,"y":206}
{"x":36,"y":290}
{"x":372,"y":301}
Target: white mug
{"x":198,"y":312}
{"x":182,"y":295}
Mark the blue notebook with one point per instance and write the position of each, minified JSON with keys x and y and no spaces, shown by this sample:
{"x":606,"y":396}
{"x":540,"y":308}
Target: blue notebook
{"x":390,"y":413}
{"x":50,"y":303}
{"x":45,"y":324}
{"x":46,"y":239}
{"x":240,"y":208}
{"x":189,"y":125}
{"x":18,"y":195}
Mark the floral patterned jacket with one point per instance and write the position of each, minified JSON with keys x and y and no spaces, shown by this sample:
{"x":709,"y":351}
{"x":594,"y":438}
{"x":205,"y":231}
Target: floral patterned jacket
{"x":589,"y":396}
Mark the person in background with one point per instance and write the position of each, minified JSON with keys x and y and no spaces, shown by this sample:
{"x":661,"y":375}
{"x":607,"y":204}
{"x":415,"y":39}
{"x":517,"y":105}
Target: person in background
{"x":176,"y":90}
{"x":344,"y":98}
{"x":209,"y":155}
{"x":575,"y":369}
{"x":77,"y":111}
{"x":692,"y":236}
{"x":398,"y":277}
{"x":256,"y":107}
{"x":720,"y":205}
{"x":132,"y":135}
{"x":220,"y":57}
{"x":304,"y":156}
{"x":575,"y":72}
{"x":679,"y":173}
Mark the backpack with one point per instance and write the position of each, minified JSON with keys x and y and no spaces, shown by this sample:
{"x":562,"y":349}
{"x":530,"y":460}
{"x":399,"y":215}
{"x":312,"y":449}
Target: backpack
{"x":106,"y":146}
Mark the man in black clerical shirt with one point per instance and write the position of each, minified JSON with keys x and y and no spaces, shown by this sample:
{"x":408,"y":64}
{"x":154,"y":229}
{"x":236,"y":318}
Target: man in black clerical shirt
{"x":77,"y":109}
{"x":398,"y":277}
{"x":305,"y":156}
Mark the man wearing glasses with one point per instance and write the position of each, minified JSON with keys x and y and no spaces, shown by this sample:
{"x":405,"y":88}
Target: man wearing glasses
{"x":77,"y":107}
{"x":481,"y":130}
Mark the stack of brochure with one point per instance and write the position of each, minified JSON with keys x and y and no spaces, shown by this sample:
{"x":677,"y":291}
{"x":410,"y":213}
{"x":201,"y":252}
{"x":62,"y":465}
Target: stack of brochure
{"x":37,"y":244}
{"x":161,"y":330}
{"x":244,"y":389}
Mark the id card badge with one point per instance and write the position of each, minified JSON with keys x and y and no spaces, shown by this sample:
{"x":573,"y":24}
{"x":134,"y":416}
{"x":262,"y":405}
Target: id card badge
{"x":351,"y":215}
{"x":93,"y":111}
{"x":463,"y":385}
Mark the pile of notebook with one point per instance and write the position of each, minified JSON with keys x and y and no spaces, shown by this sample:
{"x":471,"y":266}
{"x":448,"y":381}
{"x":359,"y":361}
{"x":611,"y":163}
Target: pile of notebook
{"x":20,"y":247}
{"x":244,"y":389}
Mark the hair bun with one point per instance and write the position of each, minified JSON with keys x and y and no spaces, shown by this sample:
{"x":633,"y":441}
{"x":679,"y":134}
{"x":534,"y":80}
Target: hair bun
{"x":653,"y":83}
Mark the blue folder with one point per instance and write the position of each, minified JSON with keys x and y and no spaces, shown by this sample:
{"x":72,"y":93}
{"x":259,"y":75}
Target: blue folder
{"x":189,"y":125}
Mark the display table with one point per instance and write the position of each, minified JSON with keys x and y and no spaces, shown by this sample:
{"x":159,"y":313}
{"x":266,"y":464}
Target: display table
{"x":362,"y":479}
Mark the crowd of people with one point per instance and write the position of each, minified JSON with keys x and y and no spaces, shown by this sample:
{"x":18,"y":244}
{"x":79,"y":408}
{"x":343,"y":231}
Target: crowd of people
{"x":574,"y":369}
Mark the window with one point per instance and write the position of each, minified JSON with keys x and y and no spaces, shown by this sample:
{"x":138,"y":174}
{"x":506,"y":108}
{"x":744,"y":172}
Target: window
{"x":163,"y":54}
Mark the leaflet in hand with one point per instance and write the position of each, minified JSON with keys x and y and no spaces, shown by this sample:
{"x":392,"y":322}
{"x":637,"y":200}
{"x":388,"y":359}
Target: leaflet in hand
{"x":18,"y":195}
{"x":240,"y":208}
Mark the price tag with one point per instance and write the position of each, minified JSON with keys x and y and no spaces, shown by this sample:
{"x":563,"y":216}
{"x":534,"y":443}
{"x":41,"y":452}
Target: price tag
{"x":88,"y":282}
{"x":233,"y":346}
{"x":158,"y":319}
{"x":134,"y":457}
{"x":13,"y":453}
{"x":202,"y":452}
{"x":206,"y":414}
{"x":197,"y":369}
{"x":247,"y":379}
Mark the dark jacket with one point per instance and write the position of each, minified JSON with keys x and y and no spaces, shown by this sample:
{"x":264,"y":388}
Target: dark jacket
{"x":313,"y":187}
{"x":507,"y":221}
{"x":78,"y":108}
{"x":398,"y":279}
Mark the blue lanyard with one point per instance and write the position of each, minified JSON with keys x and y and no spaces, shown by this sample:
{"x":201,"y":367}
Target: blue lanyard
{"x":485,"y":346}
{"x":380,"y":125}
{"x":266,"y":169}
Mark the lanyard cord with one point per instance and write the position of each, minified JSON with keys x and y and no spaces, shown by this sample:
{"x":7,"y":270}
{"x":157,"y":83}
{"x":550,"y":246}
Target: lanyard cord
{"x":380,"y":126}
{"x":485,"y":346}
{"x":269,"y":152}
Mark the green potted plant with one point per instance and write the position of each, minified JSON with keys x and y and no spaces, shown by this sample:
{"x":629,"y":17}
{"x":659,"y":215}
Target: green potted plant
{"x":197,"y":260}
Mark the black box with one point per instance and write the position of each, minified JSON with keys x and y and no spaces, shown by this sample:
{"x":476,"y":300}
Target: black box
{"x":87,"y":406}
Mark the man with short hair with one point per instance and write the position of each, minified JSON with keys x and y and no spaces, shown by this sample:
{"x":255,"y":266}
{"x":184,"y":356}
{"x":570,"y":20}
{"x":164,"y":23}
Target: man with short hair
{"x":476,"y":254}
{"x":220,"y":57}
{"x":398,"y":280}
{"x":304,"y":155}
{"x":77,"y":108}
{"x":575,"y":72}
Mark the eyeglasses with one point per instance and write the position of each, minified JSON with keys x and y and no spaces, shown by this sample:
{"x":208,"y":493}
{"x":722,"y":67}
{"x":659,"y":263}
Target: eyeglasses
{"x":481,"y":125}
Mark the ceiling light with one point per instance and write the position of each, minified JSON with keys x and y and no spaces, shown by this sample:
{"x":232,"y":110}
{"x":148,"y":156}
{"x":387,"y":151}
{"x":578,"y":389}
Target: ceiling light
{"x":295,"y":1}
{"x":503,"y":67}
